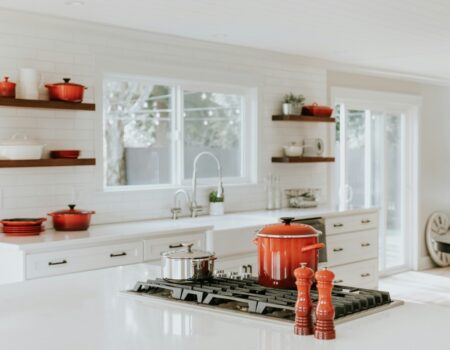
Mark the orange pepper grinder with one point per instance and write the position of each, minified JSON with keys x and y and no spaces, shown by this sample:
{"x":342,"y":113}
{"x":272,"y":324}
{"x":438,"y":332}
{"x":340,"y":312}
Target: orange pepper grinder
{"x":324,"y":310}
{"x":303,"y":307}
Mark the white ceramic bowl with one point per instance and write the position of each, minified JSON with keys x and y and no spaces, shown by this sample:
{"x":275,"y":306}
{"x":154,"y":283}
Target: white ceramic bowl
{"x":293,"y":151}
{"x":20,"y":147}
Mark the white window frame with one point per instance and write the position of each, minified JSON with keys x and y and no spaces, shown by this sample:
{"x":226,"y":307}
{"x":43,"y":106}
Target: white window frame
{"x":248,"y":140}
{"x":409,"y":105}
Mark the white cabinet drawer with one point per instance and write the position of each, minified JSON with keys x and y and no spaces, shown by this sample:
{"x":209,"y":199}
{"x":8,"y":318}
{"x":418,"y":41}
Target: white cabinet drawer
{"x":351,"y":247}
{"x":82,"y":259}
{"x":351,"y":223}
{"x":153,"y":247}
{"x":360,"y":274}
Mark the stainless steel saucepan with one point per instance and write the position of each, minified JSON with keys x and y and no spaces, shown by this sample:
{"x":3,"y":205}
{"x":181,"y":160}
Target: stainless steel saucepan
{"x":187,"y":265}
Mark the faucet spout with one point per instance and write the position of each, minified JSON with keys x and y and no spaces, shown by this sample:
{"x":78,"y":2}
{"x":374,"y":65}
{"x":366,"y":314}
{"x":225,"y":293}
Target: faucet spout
{"x":194,"y":177}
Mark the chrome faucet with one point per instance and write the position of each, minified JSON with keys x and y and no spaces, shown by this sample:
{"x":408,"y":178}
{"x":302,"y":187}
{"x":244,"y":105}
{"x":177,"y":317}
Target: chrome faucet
{"x":176,"y":210}
{"x":195,"y":208}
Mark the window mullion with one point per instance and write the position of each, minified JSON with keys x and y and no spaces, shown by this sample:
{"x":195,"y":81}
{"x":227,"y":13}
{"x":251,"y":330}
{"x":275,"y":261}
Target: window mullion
{"x":178,"y":156}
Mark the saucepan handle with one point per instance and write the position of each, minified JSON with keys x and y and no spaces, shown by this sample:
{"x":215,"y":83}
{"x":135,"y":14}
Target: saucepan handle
{"x":312,"y":247}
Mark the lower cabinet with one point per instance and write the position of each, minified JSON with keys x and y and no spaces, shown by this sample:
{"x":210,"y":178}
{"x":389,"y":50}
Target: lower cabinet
{"x":153,"y":247}
{"x":83,"y":259}
{"x":362,"y":274}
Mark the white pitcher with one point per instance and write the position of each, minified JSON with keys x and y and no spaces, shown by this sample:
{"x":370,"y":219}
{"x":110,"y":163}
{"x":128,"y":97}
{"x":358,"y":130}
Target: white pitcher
{"x":29,"y":81}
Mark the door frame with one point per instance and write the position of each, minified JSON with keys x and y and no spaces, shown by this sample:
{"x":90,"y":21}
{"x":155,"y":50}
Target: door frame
{"x":409,"y":105}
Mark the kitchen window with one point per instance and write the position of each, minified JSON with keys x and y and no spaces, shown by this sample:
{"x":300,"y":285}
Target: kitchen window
{"x":153,"y":129}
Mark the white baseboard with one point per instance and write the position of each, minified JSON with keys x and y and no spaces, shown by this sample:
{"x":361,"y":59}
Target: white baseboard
{"x":425,"y":263}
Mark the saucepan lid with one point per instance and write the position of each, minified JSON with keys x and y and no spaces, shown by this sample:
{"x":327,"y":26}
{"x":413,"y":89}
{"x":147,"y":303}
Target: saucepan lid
{"x":288,"y":229}
{"x":187,"y":253}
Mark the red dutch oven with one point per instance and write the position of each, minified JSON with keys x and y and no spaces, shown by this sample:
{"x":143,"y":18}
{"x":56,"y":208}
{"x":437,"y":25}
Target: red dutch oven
{"x":7,"y":88}
{"x":66,"y":91}
{"x":71,"y":219}
{"x":282,"y":248}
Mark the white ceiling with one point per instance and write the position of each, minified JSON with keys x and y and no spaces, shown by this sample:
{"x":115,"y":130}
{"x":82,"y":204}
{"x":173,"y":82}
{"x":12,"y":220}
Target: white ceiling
{"x":408,"y":36}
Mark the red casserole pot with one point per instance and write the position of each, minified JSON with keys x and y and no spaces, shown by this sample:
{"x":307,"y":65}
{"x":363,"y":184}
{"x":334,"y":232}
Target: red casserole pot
{"x":71,"y":219}
{"x":66,"y":91}
{"x":317,"y":111}
{"x":282,"y":248}
{"x":7,"y":88}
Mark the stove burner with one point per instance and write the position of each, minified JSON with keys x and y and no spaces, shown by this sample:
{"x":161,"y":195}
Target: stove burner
{"x":246,"y":295}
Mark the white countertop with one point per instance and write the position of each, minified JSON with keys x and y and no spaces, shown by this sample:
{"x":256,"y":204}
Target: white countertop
{"x":87,"y":311}
{"x":129,"y":230}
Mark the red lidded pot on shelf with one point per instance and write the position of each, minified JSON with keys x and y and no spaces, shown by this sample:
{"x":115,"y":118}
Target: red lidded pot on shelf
{"x":7,"y":88}
{"x":282,"y":248}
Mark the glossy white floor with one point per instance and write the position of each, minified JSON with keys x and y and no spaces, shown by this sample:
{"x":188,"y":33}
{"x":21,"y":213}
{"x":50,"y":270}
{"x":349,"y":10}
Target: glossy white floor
{"x":430,"y":286}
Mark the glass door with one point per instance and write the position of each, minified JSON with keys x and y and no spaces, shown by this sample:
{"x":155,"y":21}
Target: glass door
{"x":370,"y":166}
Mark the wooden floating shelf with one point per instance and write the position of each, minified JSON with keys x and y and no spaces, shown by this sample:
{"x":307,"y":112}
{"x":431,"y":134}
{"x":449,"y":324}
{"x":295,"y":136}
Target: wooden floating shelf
{"x":303,"y":118}
{"x":18,"y":102}
{"x":302,"y":159}
{"x":31,"y":163}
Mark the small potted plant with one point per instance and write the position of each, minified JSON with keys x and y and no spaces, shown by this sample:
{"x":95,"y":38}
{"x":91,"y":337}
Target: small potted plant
{"x":293,"y":104}
{"x":216,"y":205}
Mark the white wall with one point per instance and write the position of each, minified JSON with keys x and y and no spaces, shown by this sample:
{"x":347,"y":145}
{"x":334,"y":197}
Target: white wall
{"x":84,"y":52}
{"x":434,"y":142}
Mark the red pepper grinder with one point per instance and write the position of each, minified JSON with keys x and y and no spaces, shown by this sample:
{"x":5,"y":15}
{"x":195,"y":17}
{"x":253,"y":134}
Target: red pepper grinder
{"x":324,"y":310}
{"x":303,"y":307}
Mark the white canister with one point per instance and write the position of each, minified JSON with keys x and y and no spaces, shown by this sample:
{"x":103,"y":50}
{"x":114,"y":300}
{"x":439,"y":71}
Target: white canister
{"x":29,"y":81}
{"x":216,"y":208}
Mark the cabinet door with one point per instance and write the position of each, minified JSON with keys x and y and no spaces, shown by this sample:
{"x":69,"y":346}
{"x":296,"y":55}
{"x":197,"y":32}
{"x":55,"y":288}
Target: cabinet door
{"x":153,"y":247}
{"x":350,"y":223}
{"x":362,"y":274}
{"x":82,"y":259}
{"x":351,"y":247}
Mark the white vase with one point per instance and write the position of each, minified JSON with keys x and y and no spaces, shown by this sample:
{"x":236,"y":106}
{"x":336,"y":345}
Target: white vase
{"x":29,"y":81}
{"x":288,"y":108}
{"x":216,"y":208}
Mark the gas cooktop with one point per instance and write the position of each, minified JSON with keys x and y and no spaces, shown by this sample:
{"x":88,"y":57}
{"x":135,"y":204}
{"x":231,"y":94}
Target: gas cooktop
{"x":246,"y":296}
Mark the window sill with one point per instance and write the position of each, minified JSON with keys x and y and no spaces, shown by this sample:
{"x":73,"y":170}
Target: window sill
{"x":153,"y":188}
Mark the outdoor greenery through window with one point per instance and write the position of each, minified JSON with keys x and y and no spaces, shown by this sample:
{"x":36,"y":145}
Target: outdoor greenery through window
{"x":153,"y":131}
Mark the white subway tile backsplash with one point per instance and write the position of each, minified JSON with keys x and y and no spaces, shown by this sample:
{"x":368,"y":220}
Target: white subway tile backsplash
{"x":61,"y":48}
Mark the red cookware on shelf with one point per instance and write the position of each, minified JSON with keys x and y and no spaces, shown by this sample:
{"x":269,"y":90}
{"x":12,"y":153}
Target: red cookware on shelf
{"x":66,"y":91}
{"x":282,"y":248}
{"x":71,"y":219}
{"x":66,"y":154}
{"x":317,"y":111}
{"x":7,"y":88}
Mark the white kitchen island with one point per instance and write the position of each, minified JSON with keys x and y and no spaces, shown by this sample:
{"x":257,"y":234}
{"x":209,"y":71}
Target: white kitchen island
{"x":88,"y":311}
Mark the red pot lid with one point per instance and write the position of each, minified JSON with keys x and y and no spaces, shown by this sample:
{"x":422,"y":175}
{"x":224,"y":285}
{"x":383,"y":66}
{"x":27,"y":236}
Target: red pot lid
{"x":7,"y":82}
{"x":71,"y":211}
{"x":66,"y":83}
{"x":287,"y":228}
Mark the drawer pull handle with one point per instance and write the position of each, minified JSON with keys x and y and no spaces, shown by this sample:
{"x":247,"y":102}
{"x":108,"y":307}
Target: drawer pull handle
{"x":365,"y":244}
{"x":365,"y":221}
{"x":176,"y":245}
{"x":51,"y":263}
{"x":338,"y":225}
{"x":338,"y":249}
{"x":112,"y":255}
{"x":338,"y":281}
{"x":365,"y":274}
